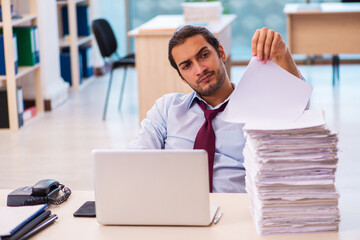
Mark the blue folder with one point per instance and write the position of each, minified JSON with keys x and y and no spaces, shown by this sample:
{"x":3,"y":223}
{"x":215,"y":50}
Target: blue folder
{"x":83,"y":22}
{"x":2,"y":55}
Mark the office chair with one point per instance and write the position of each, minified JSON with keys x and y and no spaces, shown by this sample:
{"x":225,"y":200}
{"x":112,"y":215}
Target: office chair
{"x":106,"y":41}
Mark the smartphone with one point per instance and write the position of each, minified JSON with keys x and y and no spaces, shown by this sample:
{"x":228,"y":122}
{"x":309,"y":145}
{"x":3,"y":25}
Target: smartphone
{"x":86,"y":210}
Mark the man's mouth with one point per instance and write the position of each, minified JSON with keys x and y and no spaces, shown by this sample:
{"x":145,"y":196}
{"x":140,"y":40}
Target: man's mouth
{"x":206,"y":78}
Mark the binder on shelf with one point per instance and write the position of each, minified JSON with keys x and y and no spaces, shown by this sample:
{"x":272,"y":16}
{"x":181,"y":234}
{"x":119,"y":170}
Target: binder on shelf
{"x":82,"y":18}
{"x":2,"y":54}
{"x":65,"y":65}
{"x":26,"y":45}
{"x":87,"y":66}
{"x":20,"y":105}
{"x":4,"y":109}
{"x":36,"y":44}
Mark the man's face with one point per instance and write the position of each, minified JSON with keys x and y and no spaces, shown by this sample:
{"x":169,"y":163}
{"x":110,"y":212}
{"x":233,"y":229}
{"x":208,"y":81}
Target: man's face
{"x":200,"y":65}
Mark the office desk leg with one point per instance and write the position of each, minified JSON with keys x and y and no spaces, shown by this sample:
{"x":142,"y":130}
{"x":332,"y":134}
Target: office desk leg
{"x":336,"y":69}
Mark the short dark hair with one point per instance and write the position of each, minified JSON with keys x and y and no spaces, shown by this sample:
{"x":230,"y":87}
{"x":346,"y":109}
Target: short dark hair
{"x":184,"y":33}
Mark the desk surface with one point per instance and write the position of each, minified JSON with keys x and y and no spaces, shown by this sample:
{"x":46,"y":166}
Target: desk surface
{"x":236,"y":223}
{"x":298,"y":8}
{"x":167,"y":24}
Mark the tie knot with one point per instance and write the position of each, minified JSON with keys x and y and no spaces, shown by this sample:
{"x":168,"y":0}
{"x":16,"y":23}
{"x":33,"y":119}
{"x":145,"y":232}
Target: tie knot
{"x":210,"y":114}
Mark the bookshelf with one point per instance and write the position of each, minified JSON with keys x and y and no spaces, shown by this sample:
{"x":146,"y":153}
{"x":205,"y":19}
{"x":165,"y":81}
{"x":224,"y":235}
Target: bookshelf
{"x":22,"y":71}
{"x":73,"y":41}
{"x":10,"y":79}
{"x":25,"y":18}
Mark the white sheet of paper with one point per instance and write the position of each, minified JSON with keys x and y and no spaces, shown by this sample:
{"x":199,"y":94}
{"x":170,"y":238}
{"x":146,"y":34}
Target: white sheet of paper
{"x":309,"y":118}
{"x":267,"y":93}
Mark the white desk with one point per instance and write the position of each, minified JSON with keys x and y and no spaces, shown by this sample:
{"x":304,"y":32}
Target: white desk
{"x":156,"y":77}
{"x":236,"y":223}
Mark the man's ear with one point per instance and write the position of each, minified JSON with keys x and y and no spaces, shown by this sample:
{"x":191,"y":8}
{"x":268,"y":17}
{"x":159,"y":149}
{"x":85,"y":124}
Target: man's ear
{"x":222,"y":53}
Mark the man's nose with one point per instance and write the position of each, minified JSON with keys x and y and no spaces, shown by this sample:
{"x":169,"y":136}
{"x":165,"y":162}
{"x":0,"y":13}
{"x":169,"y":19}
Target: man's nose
{"x":199,"y":69}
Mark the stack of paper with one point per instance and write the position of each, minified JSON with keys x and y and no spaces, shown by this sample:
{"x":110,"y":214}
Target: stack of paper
{"x":202,"y":11}
{"x":290,"y":173}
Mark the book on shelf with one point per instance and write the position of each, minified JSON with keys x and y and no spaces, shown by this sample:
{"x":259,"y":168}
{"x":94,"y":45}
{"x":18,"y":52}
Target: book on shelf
{"x":87,"y":65}
{"x":2,"y":54}
{"x":20,"y":105}
{"x":29,"y":114}
{"x":4,"y":109}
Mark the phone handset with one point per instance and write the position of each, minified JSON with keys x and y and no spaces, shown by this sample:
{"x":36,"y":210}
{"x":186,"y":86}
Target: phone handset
{"x":44,"y":191}
{"x":46,"y":187}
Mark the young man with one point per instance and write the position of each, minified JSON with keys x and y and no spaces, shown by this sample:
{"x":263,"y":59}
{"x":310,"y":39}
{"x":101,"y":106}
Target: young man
{"x":179,"y":121}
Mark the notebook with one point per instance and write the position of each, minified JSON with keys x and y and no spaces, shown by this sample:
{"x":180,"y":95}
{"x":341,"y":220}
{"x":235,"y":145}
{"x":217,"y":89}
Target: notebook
{"x":13,"y":218}
{"x":152,"y":187}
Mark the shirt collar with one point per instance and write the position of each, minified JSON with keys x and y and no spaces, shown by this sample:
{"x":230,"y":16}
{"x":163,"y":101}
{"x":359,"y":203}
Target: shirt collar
{"x":195,"y":96}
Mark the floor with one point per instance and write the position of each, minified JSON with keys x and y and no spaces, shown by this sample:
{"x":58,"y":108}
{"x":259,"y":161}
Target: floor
{"x":58,"y":144}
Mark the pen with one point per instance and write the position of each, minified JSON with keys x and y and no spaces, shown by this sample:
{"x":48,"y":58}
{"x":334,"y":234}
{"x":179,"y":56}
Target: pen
{"x":30,"y":225}
{"x":40,"y":227}
{"x":218,"y":216}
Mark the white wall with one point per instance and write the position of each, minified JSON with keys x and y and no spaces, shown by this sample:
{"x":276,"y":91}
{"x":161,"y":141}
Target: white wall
{"x":114,"y":12}
{"x":54,"y":87}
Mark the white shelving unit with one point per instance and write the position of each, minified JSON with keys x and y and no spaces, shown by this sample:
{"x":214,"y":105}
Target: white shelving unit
{"x":10,"y":78}
{"x":73,"y":41}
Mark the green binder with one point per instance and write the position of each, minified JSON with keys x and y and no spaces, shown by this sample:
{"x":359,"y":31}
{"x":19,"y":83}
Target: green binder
{"x":25,"y":45}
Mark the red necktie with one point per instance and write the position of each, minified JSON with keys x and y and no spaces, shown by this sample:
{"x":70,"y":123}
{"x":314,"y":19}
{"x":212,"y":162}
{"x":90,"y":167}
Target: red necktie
{"x":205,"y":138}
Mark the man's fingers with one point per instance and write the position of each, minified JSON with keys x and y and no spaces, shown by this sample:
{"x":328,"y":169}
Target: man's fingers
{"x":261,"y":42}
{"x":268,"y":45}
{"x":275,"y":45}
{"x":254,"y":42}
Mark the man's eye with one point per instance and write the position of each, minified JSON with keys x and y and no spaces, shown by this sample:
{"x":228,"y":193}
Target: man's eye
{"x":205,"y":55}
{"x":186,"y":66}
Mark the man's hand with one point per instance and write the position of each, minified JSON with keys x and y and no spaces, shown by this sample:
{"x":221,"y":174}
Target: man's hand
{"x":267,"y":44}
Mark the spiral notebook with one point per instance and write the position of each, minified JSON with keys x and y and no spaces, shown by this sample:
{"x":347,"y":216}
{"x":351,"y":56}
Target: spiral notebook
{"x":13,"y":218}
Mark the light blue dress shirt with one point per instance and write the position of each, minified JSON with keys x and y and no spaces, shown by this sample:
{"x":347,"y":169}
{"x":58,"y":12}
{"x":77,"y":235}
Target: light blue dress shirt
{"x":173,"y":123}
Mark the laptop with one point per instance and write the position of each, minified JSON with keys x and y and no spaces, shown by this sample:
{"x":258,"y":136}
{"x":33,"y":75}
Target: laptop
{"x":152,"y":187}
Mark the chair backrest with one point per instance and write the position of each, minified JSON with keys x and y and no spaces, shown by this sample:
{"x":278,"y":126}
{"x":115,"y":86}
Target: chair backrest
{"x":105,"y":37}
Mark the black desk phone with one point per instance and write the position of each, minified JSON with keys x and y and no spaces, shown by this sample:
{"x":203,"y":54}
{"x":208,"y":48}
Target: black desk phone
{"x":45,"y":191}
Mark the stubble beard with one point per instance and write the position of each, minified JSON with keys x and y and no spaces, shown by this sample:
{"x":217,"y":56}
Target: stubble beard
{"x":212,"y":89}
